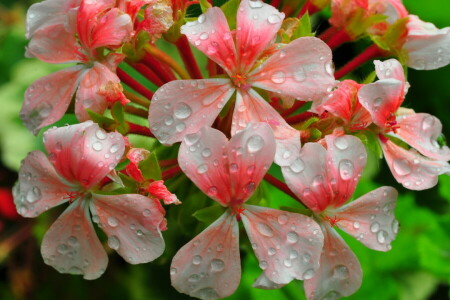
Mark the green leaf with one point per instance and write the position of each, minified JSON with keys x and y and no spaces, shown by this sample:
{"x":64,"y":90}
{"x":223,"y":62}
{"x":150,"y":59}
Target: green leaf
{"x":230,"y":10}
{"x":303,"y":28}
{"x":150,"y":167}
{"x":204,"y":5}
{"x":102,"y":121}
{"x":444,"y":187}
{"x":209,"y":214}
{"x":118,"y":114}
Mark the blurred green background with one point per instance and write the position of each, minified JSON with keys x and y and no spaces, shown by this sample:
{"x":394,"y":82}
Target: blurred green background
{"x":418,"y":266}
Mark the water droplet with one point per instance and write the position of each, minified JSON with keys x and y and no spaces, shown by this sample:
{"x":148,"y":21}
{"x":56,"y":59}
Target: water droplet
{"x":375,"y":227}
{"x":341,"y":142}
{"x":72,"y":241}
{"x":382,"y":236}
{"x":113,"y":242}
{"x":255,"y":3}
{"x":271,"y":251}
{"x":264,"y":229}
{"x":297,"y":166}
{"x":197,"y":259}
{"x":112,"y":221}
{"x":114,"y":148}
{"x":250,"y":187}
{"x":201,"y":19}
{"x":300,"y":75}
{"x":340,"y":272}
{"x":292,"y":237}
{"x":234,"y":168}
{"x":346,"y":169}
{"x":182,"y":111}
{"x":278,"y":77}
{"x":395,"y":226}
{"x":401,"y":167}
{"x":34,"y":194}
{"x":173,"y":271}
{"x":202,"y":169}
{"x":329,"y":68}
{"x":293,"y":254}
{"x":283,"y":219}
{"x":255,"y":143}
{"x":287,"y":263}
{"x":97,"y":146}
{"x":263,"y":264}
{"x":191,"y":139}
{"x":428,"y":122}
{"x":217,"y":265}
{"x":76,"y":271}
{"x":180,"y":127}
{"x":194,"y":278}
{"x":204,"y":36}
{"x":62,"y":249}
{"x":274,"y":19}
{"x":206,"y":152}
{"x":168,"y":121}
{"x":139,"y":232}
{"x":308,"y":274}
{"x":356,"y":225}
{"x":146,"y":213}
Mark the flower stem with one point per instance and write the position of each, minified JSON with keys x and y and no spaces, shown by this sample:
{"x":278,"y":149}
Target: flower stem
{"x":281,"y":186}
{"x":172,"y":172}
{"x":137,"y":99}
{"x":140,"y":130}
{"x":136,"y":111}
{"x":168,"y":162}
{"x":164,"y":72}
{"x":188,"y":57}
{"x":338,"y":39}
{"x":328,"y":33}
{"x":300,"y":117}
{"x":163,"y":57}
{"x":370,"y":53}
{"x":147,"y":73}
{"x":133,"y":84}
{"x":14,"y":240}
{"x":309,"y":8}
{"x":293,"y":109}
{"x":212,"y":68}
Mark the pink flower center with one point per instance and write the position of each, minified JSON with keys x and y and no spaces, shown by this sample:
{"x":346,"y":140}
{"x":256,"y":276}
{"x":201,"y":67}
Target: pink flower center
{"x":240,"y":81}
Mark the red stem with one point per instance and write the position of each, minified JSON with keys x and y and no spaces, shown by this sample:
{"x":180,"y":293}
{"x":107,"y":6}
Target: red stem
{"x":293,"y":109}
{"x":138,"y":129}
{"x":164,"y":72}
{"x":275,"y":3}
{"x":188,"y":57}
{"x":328,"y":33}
{"x":128,"y":80}
{"x":168,"y":162}
{"x":167,"y":174}
{"x":338,"y":39}
{"x":368,"y":54}
{"x":147,"y":73}
{"x":300,"y":118}
{"x":308,"y":7}
{"x":281,"y":186}
{"x":212,"y":68}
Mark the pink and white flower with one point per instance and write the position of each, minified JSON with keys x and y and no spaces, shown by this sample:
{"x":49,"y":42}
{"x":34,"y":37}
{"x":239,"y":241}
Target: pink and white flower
{"x":301,"y":69}
{"x":286,"y":244}
{"x":74,"y":35}
{"x":79,"y":157}
{"x":325,"y":179}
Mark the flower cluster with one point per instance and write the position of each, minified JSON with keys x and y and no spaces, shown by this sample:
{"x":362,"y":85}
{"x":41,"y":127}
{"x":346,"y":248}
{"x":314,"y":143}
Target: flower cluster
{"x":268,"y":94}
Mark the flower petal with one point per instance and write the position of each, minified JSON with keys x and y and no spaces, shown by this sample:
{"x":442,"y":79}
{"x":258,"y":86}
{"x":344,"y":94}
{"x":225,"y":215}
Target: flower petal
{"x":340,"y":273}
{"x":211,"y":35}
{"x":182,"y":107}
{"x":250,"y":154}
{"x":257,"y":25}
{"x":382,"y":99}
{"x":250,"y":107}
{"x":262,"y":282}
{"x":427,"y":46}
{"x":412,"y":170}
{"x":201,"y":157}
{"x":370,"y":218}
{"x":84,"y":153}
{"x":389,"y":69}
{"x":421,"y":131}
{"x":113,"y":29}
{"x":39,"y":187}
{"x":132,"y":224}
{"x":48,"y":98}
{"x":303,"y":70}
{"x":286,"y":244}
{"x":72,"y":246}
{"x":208,"y":267}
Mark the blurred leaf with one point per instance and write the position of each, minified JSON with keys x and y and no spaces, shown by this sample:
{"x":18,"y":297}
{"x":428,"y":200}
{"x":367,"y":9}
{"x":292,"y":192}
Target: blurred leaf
{"x":209,"y":214}
{"x":150,"y":167}
{"x":230,"y":10}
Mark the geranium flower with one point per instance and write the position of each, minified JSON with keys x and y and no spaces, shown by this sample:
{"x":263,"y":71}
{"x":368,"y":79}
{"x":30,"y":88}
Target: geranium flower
{"x":325,"y":179}
{"x":74,"y":36}
{"x":301,"y":69}
{"x":79,"y":157}
{"x":382,"y":99}
{"x":286,"y":244}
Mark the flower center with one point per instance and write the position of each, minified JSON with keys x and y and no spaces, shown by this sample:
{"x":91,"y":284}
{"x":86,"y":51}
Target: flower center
{"x":240,"y":81}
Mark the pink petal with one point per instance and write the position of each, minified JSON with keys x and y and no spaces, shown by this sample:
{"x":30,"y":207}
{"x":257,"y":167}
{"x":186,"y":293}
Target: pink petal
{"x":211,"y":35}
{"x":48,"y":98}
{"x":208,"y":267}
{"x":307,"y":177}
{"x":257,"y":25}
{"x":48,"y":13}
{"x":382,"y":99}
{"x":40,"y":187}
{"x":412,"y":170}
{"x":98,"y":88}
{"x":250,"y":107}
{"x":72,"y":246}
{"x":286,"y":244}
{"x":347,"y":158}
{"x":427,"y":46}
{"x":132,"y":224}
{"x":370,"y":218}
{"x":392,"y":9}
{"x":250,"y":154}
{"x":303,"y":70}
{"x":84,"y":153}
{"x":390,"y":69}
{"x":182,"y":107}
{"x":262,"y":282}
{"x":340,"y":273}
{"x":158,"y":190}
{"x":421,"y":132}
{"x":202,"y":157}
{"x":53,"y":44}
{"x":112,"y":29}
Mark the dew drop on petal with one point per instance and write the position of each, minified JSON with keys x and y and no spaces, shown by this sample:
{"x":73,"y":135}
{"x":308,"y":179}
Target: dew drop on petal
{"x":375,"y":227}
{"x":346,"y":169}
{"x":182,"y":111}
{"x":356,"y":225}
{"x":341,"y":143}
{"x":100,"y":134}
{"x":234,"y":168}
{"x":297,"y":166}
{"x":217,"y":265}
{"x":395,"y":226}
{"x":201,"y":19}
{"x":255,"y":3}
{"x":274,"y":19}
{"x":197,"y":259}
{"x":428,"y":122}
{"x":263,"y":264}
{"x":300,"y":75}
{"x":264,"y":229}
{"x":212,"y":191}
{"x":282,"y":219}
{"x":271,"y":251}
{"x":255,"y":143}
{"x":112,"y":221}
{"x":340,"y":272}
{"x":114,"y":242}
{"x":278,"y":77}
{"x":202,"y":169}
{"x":401,"y":167}
{"x":308,"y":274}
{"x":97,"y":146}
{"x":292,"y":237}
{"x":382,"y":236}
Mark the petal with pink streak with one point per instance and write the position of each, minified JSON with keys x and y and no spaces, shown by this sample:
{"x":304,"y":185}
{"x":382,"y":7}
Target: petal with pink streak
{"x":250,"y":107}
{"x":53,"y":44}
{"x":370,"y":218}
{"x":40,"y":187}
{"x":112,"y":29}
{"x":208,"y":267}
{"x":428,"y":47}
{"x":72,"y":246}
{"x":84,"y":153}
{"x":257,"y":25}
{"x":250,"y":154}
{"x":421,"y":131}
{"x":308,"y":176}
{"x":411,"y":169}
{"x":340,"y":273}
{"x":382,"y":99}
{"x":211,"y":35}
{"x":48,"y":98}
{"x":202,"y":157}
{"x":286,"y":244}
{"x":182,"y":107}
{"x":132,"y":223}
{"x":48,"y":13}
{"x":389,"y":69}
{"x":347,"y":157}
{"x":303,"y":70}
{"x":98,"y":88}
